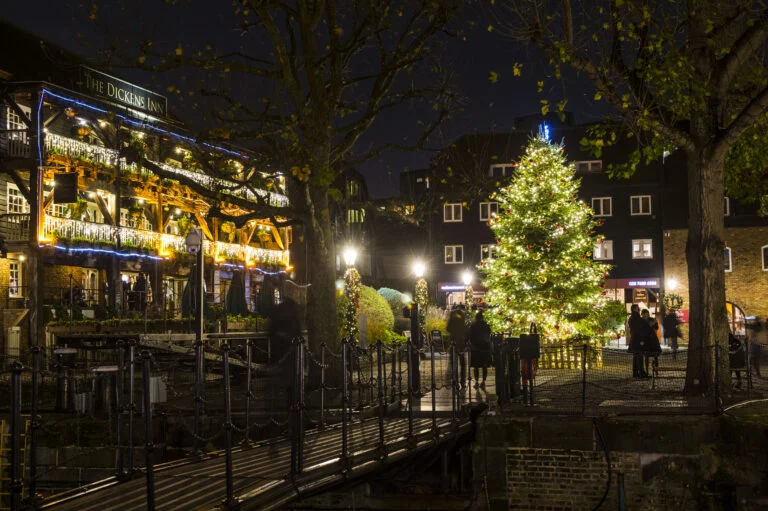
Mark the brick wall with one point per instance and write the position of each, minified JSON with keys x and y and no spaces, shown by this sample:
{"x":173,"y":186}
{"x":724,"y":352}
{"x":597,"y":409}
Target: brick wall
{"x":746,"y":285}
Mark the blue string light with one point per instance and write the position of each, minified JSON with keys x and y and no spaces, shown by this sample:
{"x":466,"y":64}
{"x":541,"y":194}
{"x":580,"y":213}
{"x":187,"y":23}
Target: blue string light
{"x":111,"y":252}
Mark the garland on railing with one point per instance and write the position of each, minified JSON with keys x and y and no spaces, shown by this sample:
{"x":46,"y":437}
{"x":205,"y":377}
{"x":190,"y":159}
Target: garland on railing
{"x":353,"y":288}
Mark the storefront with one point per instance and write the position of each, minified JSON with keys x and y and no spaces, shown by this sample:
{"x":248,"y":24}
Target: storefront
{"x":644,"y":291}
{"x":454,"y":293}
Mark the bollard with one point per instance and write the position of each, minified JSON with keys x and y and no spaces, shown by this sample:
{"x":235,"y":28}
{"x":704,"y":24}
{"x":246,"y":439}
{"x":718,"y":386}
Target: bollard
{"x":119,"y":408}
{"x":149,"y":445}
{"x":35,"y":421}
{"x":410,"y":389}
{"x":227,"y":423}
{"x":434,"y":388}
{"x":322,"y":385}
{"x":380,"y":395}
{"x":198,"y":394}
{"x":248,"y":392}
{"x":17,"y":483}
{"x":344,"y":404}
{"x":584,"y":379}
{"x":131,"y":401}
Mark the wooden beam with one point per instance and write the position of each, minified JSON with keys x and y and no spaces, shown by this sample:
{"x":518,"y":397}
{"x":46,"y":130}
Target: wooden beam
{"x":278,"y":239}
{"x":48,"y":201}
{"x":203,"y":225}
{"x":250,"y":234}
{"x":15,"y":107}
{"x":20,"y":184}
{"x":52,"y":118}
{"x":104,"y":209}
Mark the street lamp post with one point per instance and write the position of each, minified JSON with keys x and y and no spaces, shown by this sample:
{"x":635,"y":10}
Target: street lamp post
{"x":194,"y":242}
{"x":469,"y":293}
{"x":418,"y":315}
{"x":352,"y":290}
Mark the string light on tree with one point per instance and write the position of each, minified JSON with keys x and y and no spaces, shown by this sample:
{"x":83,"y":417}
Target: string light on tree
{"x":469,"y":293}
{"x":543,"y":271}
{"x":353,"y":288}
{"x":421,"y":297}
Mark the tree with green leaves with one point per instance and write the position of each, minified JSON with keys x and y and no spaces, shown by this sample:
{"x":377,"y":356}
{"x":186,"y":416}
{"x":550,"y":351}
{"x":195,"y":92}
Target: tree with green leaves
{"x":301,"y":86}
{"x":543,"y":270}
{"x":687,"y":76}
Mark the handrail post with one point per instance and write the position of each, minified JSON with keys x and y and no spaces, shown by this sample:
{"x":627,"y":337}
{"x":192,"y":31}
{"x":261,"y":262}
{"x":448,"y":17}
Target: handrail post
{"x":131,"y":400}
{"x":248,"y":392}
{"x":344,"y":403}
{"x":227,"y":422}
{"x":35,"y":422}
{"x":198,"y":396}
{"x":322,"y":385}
{"x":379,"y":365}
{"x":434,"y":389}
{"x":149,"y":445}
{"x":119,"y":407}
{"x":384,"y":374}
{"x":17,"y":483}
{"x":410,"y":389}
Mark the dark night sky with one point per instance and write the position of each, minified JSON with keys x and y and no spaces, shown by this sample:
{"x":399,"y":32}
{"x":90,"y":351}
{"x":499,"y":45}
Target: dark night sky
{"x":486,"y":106}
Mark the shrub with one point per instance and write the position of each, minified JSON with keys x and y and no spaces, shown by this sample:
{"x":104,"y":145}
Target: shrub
{"x":395,"y":299}
{"x":437,"y":319}
{"x":379,"y":317}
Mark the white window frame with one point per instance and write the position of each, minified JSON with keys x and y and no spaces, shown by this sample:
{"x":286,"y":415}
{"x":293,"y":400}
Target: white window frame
{"x":762,"y":256}
{"x":506,"y":169}
{"x":726,"y":206}
{"x":14,"y":122}
{"x":640,"y":204}
{"x":729,"y":252}
{"x":643,"y":241}
{"x":454,"y":206}
{"x":492,"y":210}
{"x":452,"y":250}
{"x":603,"y":251}
{"x":589,"y":166}
{"x":20,"y":206}
{"x":15,"y":289}
{"x":601,"y":201}
{"x":491,"y":249}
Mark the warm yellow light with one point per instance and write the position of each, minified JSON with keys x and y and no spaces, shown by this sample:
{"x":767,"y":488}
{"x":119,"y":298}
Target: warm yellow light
{"x":466,"y":277}
{"x":141,"y":201}
{"x":178,"y":211}
{"x":350,"y":255}
{"x":672,"y":284}
{"x":22,"y":257}
{"x":140,"y":135}
{"x":418,"y":269}
{"x":102,"y":124}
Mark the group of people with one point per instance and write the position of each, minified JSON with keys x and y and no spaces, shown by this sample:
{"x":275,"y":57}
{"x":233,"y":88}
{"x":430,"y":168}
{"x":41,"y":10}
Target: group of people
{"x":137,"y":293}
{"x":643,"y":338}
{"x":475,"y":336}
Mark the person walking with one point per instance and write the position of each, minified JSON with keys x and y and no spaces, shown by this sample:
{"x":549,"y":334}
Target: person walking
{"x":480,"y":348}
{"x":457,"y":328}
{"x":639,"y":333}
{"x":652,"y":348}
{"x":671,"y":333}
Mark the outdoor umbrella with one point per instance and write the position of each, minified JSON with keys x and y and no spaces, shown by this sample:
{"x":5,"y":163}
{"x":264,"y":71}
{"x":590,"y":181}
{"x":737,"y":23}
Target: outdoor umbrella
{"x":188,"y":297}
{"x":236,"y":303}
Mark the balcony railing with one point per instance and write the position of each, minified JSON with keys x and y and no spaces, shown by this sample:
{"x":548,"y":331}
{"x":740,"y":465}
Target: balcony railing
{"x":14,"y":226}
{"x":163,"y":244}
{"x":15,"y":143}
{"x":77,"y":149}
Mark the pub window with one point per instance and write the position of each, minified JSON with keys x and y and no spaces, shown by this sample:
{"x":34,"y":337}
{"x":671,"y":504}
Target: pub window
{"x":16,"y":203}
{"x":728,"y":259}
{"x":14,"y":278}
{"x":640,"y":205}
{"x":603,"y":251}
{"x":488,"y":210}
{"x":14,"y":122}
{"x":642,"y":249}
{"x":452,"y":213}
{"x":602,"y":206}
{"x":454,"y":254}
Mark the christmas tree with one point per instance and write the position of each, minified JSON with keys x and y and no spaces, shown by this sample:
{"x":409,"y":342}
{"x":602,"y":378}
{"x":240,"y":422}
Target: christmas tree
{"x":542,"y":270}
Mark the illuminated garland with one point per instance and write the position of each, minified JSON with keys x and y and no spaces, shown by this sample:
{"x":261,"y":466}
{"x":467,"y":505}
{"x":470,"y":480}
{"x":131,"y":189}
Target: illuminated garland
{"x":422,"y":299}
{"x":545,"y":236}
{"x":673,"y":302}
{"x":353,"y":288}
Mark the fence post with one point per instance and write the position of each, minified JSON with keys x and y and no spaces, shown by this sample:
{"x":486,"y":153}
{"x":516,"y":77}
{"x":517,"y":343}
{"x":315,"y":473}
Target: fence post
{"x":410,"y":389}
{"x":381,"y":378}
{"x":119,"y":407}
{"x":17,"y":483}
{"x":384,"y":374}
{"x":434,"y":388}
{"x":35,"y":422}
{"x":748,"y":360}
{"x":227,"y":422}
{"x":300,"y":408}
{"x":583,"y":379}
{"x":454,"y":382}
{"x":248,"y":392}
{"x":397,"y":372}
{"x":198,"y":396}
{"x":322,"y":385}
{"x":131,"y":401}
{"x":344,"y":403}
{"x":149,"y":445}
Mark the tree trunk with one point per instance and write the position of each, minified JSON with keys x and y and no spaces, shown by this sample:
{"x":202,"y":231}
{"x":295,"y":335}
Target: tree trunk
{"x":706,"y":277}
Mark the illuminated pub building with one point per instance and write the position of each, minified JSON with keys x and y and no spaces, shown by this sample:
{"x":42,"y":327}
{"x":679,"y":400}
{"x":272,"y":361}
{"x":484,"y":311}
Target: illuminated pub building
{"x":87,"y":225}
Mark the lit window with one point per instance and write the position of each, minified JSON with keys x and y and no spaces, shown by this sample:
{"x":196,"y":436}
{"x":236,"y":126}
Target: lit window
{"x":728,"y":259}
{"x":642,"y":249}
{"x":640,"y":205}
{"x":488,"y":210}
{"x":14,"y":121}
{"x":452,"y":213}
{"x":488,"y":252}
{"x":726,"y":206}
{"x":501,"y":170}
{"x":603,"y":251}
{"x":454,"y":254}
{"x":14,"y":280}
{"x":16,"y":203}
{"x":589,"y":166}
{"x":602,"y":206}
{"x":356,"y":216}
{"x":353,"y":188}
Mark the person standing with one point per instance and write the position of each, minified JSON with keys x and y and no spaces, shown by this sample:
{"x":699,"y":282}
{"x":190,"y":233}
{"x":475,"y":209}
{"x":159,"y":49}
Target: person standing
{"x":480,"y":348}
{"x":671,"y":333}
{"x":457,"y":328}
{"x":639,"y":333}
{"x":652,"y":347}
